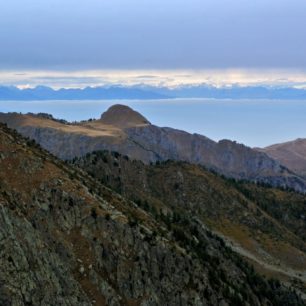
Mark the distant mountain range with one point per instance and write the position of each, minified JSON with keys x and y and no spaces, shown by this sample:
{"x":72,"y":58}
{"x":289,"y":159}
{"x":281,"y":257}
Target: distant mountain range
{"x":88,"y":93}
{"x":150,"y":92}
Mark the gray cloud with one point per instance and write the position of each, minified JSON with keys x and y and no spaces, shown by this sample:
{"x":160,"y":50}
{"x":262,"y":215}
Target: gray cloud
{"x":152,"y":34}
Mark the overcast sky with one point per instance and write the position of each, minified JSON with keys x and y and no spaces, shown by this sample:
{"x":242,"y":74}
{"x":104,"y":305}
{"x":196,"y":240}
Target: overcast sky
{"x":75,"y":35}
{"x":78,"y":43}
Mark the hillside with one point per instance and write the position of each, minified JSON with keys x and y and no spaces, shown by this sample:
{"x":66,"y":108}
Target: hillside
{"x":89,"y":246}
{"x":291,"y":154}
{"x":264,"y":224}
{"x":123,"y":130}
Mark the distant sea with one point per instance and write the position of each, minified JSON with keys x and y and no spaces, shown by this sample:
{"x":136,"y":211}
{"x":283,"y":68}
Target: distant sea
{"x":252,"y":122}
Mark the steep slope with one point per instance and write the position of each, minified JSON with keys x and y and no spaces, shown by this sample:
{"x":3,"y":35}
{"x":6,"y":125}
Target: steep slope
{"x":123,"y":130}
{"x":226,"y":157}
{"x":291,"y":154}
{"x":67,"y":240}
{"x":266,"y":225}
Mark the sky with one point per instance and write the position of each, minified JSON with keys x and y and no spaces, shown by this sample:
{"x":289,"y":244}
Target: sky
{"x":74,"y":43}
{"x":71,"y":43}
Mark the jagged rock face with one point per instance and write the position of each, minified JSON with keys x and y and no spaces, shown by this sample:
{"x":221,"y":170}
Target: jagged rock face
{"x":29,"y":264}
{"x":67,"y":240}
{"x":291,"y":154}
{"x":123,"y":130}
{"x":225,"y":157}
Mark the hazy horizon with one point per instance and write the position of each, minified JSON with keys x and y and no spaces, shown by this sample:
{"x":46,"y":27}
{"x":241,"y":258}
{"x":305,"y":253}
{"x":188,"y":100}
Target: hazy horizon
{"x":75,"y":44}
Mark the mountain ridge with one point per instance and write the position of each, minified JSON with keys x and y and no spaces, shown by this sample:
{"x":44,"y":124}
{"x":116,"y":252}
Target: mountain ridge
{"x":141,"y":140}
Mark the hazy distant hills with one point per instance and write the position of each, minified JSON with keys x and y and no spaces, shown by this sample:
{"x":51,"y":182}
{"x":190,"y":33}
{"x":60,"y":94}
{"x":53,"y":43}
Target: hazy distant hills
{"x":123,"y":130}
{"x":88,"y":93}
{"x":233,"y":92}
{"x":150,"y":92}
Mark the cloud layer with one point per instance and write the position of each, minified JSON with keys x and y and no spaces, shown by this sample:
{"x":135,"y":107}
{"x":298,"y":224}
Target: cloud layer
{"x":166,"y":78}
{"x":152,"y":34}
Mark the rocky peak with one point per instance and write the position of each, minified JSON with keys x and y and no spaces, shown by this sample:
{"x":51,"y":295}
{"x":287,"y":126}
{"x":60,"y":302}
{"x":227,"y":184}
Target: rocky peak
{"x":123,"y":117}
